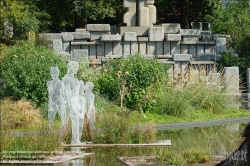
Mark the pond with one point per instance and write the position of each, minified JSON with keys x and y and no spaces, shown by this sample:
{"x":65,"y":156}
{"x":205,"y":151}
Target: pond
{"x":187,"y":144}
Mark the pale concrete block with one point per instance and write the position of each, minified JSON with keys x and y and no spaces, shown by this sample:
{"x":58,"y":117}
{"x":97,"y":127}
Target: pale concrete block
{"x":151,"y":49}
{"x":220,"y":43}
{"x":190,"y":32}
{"x":200,"y":49}
{"x":175,"y":48}
{"x":57,"y":45}
{"x":172,"y":37}
{"x":117,"y":48}
{"x":111,"y":38}
{"x":143,"y":47}
{"x":142,"y":38}
{"x":140,"y":31}
{"x":181,"y":57}
{"x":108,"y":48}
{"x":98,"y":27}
{"x":190,"y":39}
{"x":206,"y":33}
{"x":215,"y":78}
{"x":56,"y":36}
{"x":159,"y":48}
{"x":206,"y":57}
{"x":156,"y":34}
{"x":144,"y":17}
{"x":171,"y":28}
{"x":152,"y":15}
{"x":209,"y":49}
{"x":66,"y":47}
{"x":134,"y":48}
{"x":97,"y":35}
{"x":67,"y":38}
{"x":130,"y":36}
{"x":167,"y":49}
{"x":81,"y":30}
{"x":248,"y":79}
{"x":129,"y":17}
{"x":231,"y":75}
{"x":78,"y":36}
{"x":192,"y":51}
{"x":207,"y":38}
{"x":126,"y":48}
{"x":184,"y":49}
{"x":78,"y":54}
{"x":92,"y":52}
{"x":150,"y":2}
{"x":100,"y":51}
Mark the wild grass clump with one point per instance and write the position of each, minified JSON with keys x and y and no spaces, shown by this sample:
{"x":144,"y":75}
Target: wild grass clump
{"x":19,"y":114}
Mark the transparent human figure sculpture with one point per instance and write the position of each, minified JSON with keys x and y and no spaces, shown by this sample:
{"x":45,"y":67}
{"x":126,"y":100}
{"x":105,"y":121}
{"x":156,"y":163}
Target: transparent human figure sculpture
{"x":56,"y":100}
{"x":89,"y":106}
{"x":82,"y":110}
{"x":71,"y":97}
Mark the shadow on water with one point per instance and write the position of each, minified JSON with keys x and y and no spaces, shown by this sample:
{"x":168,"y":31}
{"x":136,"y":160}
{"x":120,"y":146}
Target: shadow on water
{"x":213,"y":141}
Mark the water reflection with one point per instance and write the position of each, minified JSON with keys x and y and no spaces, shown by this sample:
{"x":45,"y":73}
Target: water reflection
{"x":214,"y":141}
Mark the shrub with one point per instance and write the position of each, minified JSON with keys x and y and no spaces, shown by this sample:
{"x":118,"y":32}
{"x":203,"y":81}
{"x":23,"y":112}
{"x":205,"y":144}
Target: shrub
{"x":243,"y":46}
{"x":26,"y":69}
{"x":132,"y":81}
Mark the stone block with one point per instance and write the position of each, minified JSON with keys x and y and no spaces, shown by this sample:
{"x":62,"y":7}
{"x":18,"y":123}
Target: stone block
{"x":171,"y":28}
{"x":81,"y":30}
{"x":75,"y":47}
{"x":156,"y":34}
{"x":66,"y":47}
{"x":92,"y":52}
{"x":143,"y":47}
{"x":80,"y":36}
{"x":205,"y":32}
{"x":192,"y":51}
{"x":207,"y":38}
{"x":144,"y":17}
{"x":172,"y":37}
{"x":78,"y":54}
{"x":130,"y":36}
{"x":134,"y":48}
{"x":140,"y":31}
{"x":129,"y":17}
{"x":57,"y":45}
{"x":181,"y":57}
{"x":200,"y":48}
{"x":194,"y":32}
{"x":184,"y":49}
{"x":97,"y":35}
{"x":108,"y":48}
{"x":67,"y":38}
{"x":117,"y":48}
{"x":56,"y":36}
{"x":151,"y":49}
{"x":111,"y":38}
{"x":152,"y":14}
{"x":220,"y":44}
{"x":231,"y":75}
{"x":248,"y":80}
{"x":209,"y":49}
{"x":167,"y":49}
{"x":159,"y":48}
{"x":142,"y":38}
{"x":126,"y":48}
{"x":206,"y":57}
{"x":100,"y":51}
{"x":98,"y":27}
{"x":190,"y":38}
{"x":175,"y":48}
{"x":215,"y":78}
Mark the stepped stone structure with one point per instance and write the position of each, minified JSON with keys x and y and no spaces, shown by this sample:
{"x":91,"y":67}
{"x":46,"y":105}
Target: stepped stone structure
{"x":189,"y":51}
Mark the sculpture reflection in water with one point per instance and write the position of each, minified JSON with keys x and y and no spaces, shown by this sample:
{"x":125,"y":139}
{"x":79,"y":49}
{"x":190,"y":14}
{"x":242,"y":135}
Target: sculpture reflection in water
{"x":72,"y":100}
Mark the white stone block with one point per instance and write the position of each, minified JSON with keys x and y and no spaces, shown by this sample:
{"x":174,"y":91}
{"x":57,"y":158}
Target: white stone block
{"x":140,"y":31}
{"x":144,"y":17}
{"x":129,"y":17}
{"x":175,"y":48}
{"x":209,"y":49}
{"x":159,"y":48}
{"x":57,"y":45}
{"x":220,"y":43}
{"x":80,"y":36}
{"x":98,"y":27}
{"x":67,"y":38}
{"x":151,"y":49}
{"x":66,"y":47}
{"x":184,"y":49}
{"x":117,"y":48}
{"x":181,"y":57}
{"x":129,"y":36}
{"x":190,"y":39}
{"x":81,"y":30}
{"x":200,"y":49}
{"x":206,"y":57}
{"x":97,"y":35}
{"x":126,"y":48}
{"x":194,"y":32}
{"x":142,"y":38}
{"x":78,"y":54}
{"x":92,"y":52}
{"x":134,"y":48}
{"x":152,"y":15}
{"x":172,"y":37}
{"x":108,"y":48}
{"x":192,"y":51}
{"x":143,"y":47}
{"x":100,"y":51}
{"x":156,"y":34}
{"x":111,"y":38}
{"x":171,"y":28}
{"x":167,"y":49}
{"x":231,"y":75}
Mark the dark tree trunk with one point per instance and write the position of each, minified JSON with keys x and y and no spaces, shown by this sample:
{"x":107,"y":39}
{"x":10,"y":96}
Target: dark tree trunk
{"x":184,"y":14}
